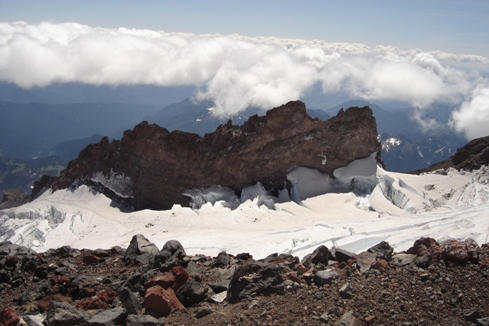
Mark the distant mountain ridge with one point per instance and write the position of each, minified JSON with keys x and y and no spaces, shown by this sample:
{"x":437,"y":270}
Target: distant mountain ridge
{"x":28,"y":130}
{"x":190,"y":116}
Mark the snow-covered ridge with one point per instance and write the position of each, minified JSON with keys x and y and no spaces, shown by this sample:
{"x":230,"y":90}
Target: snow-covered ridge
{"x":368,"y":205}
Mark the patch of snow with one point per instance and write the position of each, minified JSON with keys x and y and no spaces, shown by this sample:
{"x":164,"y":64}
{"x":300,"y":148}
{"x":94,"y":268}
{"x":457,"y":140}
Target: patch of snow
{"x":450,"y":206}
{"x":390,"y":143}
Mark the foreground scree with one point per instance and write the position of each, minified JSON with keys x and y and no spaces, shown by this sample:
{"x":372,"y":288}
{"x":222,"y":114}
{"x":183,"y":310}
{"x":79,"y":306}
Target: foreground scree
{"x":429,"y":284}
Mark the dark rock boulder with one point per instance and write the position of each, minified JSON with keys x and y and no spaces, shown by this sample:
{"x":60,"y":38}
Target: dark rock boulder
{"x":110,"y":317}
{"x":64,"y":314}
{"x":129,"y":301}
{"x":191,"y":293}
{"x":383,"y":250}
{"x":325,"y":277}
{"x":150,"y":167}
{"x":34,"y":292}
{"x":255,"y":278}
{"x":143,"y":320}
{"x":8,"y":248}
{"x":171,"y":255}
{"x":319,"y":256}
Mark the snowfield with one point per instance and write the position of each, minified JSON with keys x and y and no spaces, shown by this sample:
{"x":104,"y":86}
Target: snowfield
{"x":361,"y":207}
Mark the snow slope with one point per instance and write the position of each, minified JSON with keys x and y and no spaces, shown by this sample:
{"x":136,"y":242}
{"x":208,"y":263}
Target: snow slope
{"x":394,"y":207}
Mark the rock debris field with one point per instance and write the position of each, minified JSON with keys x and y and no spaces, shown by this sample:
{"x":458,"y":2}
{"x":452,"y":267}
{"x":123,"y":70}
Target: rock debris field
{"x":431,"y":283}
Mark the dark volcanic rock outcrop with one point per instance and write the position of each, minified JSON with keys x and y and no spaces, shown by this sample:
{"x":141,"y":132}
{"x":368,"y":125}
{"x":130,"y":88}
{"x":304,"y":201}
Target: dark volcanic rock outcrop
{"x":469,"y":157}
{"x":150,"y":166}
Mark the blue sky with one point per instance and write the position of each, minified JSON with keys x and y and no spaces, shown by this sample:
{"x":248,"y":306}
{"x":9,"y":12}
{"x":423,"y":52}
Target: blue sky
{"x":445,"y":25}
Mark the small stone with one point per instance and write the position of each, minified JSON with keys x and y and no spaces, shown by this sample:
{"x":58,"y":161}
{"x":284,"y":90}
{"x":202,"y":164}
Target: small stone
{"x":473,"y":316}
{"x":346,"y":291}
{"x":219,"y":297}
{"x":324,"y":318}
{"x":369,"y":319}
{"x":143,"y":320}
{"x":89,"y":259}
{"x":380,"y":265}
{"x":425,"y":276}
{"x":203,"y":312}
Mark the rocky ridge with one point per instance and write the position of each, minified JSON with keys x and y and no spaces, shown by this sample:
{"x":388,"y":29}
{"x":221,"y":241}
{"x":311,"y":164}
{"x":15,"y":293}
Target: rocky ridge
{"x":431,"y":283}
{"x":469,"y":157}
{"x":150,"y":167}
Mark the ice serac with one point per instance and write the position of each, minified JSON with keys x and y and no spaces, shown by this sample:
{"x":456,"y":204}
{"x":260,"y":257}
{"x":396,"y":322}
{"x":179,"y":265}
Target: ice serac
{"x":156,"y":166}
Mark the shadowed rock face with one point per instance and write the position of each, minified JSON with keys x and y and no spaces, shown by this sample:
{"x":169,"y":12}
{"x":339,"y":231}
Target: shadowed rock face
{"x":150,"y":166}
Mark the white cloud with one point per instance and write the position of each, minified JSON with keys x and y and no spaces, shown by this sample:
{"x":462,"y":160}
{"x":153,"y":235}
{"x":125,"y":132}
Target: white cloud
{"x":233,"y":71}
{"x":473,"y":116}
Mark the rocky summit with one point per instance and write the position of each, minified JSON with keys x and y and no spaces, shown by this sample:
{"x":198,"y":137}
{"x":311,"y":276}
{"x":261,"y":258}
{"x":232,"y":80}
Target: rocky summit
{"x":150,"y":167}
{"x":432,"y":283}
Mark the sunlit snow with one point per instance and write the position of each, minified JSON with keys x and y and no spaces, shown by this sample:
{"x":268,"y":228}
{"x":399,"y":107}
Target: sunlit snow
{"x":398,"y":208}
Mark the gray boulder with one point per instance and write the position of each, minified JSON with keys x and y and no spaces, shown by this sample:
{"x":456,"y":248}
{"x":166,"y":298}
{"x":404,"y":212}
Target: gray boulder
{"x":111,"y":317}
{"x":34,"y":292}
{"x":255,"y":278}
{"x":141,"y":250}
{"x":64,"y":314}
{"x":325,"y":277}
{"x":383,"y":250}
{"x":144,"y":320}
{"x":129,"y":301}
{"x":172,"y":254}
{"x":191,"y":293}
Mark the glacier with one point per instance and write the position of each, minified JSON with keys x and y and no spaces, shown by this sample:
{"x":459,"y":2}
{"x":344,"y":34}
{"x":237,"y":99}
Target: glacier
{"x":361,"y":206}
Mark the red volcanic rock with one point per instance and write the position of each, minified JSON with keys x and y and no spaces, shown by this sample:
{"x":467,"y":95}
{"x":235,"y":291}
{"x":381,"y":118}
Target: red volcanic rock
{"x":174,"y":279}
{"x":162,"y":301}
{"x":44,"y":302}
{"x":460,"y":251}
{"x":100,"y":301}
{"x":424,"y":246}
{"x":150,"y":167}
{"x":165,"y":280}
{"x":8,"y":317}
{"x":181,"y":276}
{"x":90,"y":259}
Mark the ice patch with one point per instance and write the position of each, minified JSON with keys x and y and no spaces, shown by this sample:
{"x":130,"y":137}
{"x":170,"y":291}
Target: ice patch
{"x":359,"y":176}
{"x":29,"y":228}
{"x":119,"y":184}
{"x":212,"y":194}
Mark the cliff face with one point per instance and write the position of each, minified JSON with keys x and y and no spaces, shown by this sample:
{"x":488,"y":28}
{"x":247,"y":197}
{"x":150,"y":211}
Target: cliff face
{"x":150,"y":166}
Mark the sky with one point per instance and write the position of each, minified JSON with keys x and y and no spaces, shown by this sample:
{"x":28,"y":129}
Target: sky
{"x":260,"y":53}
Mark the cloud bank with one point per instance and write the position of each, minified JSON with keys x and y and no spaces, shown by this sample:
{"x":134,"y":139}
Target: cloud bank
{"x":236,"y":71}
